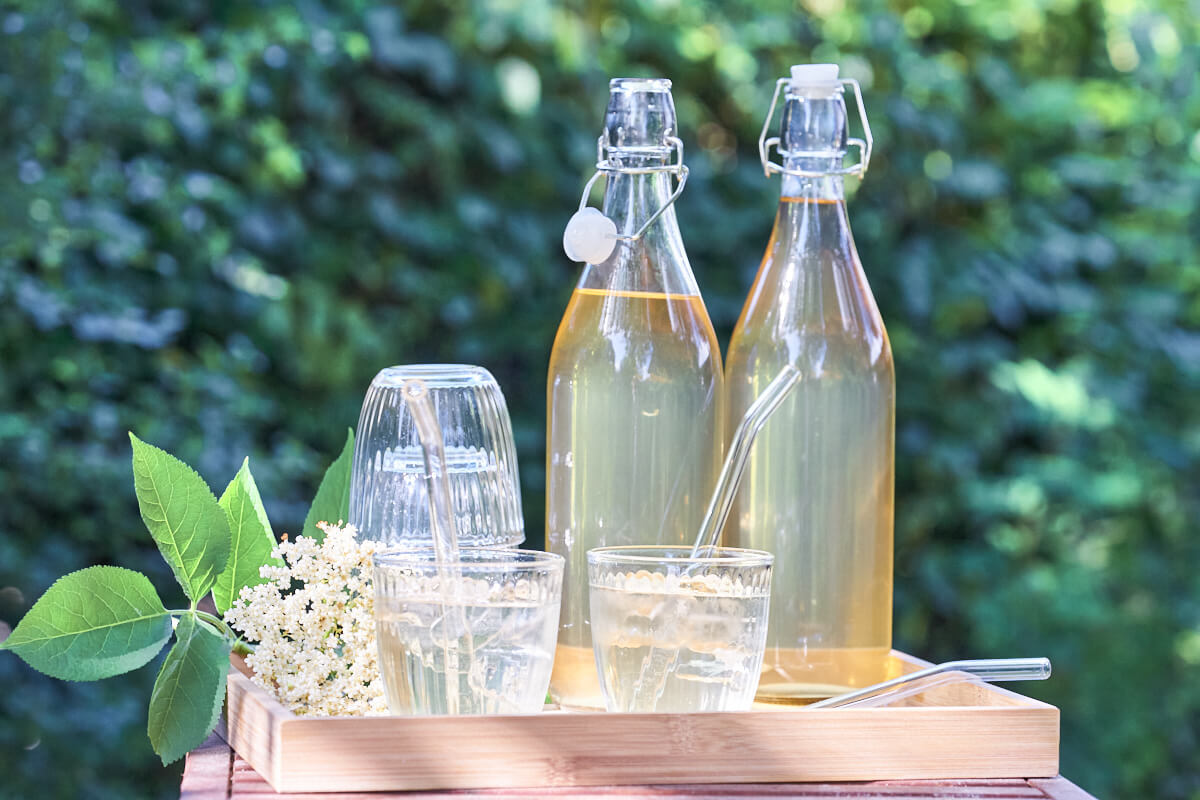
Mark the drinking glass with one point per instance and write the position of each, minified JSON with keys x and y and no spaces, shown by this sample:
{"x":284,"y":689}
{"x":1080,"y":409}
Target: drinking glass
{"x":473,"y":636}
{"x":389,"y":501}
{"x":676,"y":633}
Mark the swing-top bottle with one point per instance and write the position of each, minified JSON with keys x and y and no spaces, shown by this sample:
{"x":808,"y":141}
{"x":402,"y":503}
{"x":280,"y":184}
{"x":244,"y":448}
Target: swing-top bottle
{"x":818,"y":491}
{"x":634,"y":391}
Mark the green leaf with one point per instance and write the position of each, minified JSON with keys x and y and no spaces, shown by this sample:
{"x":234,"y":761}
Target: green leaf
{"x":183,"y":516}
{"x":332,"y":503}
{"x":252,"y":538}
{"x":189,"y":690}
{"x":92,"y":624}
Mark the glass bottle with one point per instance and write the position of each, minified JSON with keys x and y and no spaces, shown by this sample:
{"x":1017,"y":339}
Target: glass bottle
{"x":818,"y":491}
{"x":634,"y":391}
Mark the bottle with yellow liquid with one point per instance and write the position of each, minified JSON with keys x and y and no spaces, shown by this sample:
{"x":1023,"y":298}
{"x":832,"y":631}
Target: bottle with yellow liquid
{"x":634,"y":391}
{"x":818,"y":491}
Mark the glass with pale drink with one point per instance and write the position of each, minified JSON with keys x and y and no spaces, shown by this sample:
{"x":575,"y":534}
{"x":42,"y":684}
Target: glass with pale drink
{"x":471,"y":636}
{"x":676,"y":633}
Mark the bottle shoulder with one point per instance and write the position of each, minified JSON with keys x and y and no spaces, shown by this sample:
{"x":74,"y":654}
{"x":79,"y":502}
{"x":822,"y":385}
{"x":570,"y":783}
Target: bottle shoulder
{"x":815,"y":349}
{"x":811,"y":289}
{"x":642,"y":332}
{"x":656,"y":263}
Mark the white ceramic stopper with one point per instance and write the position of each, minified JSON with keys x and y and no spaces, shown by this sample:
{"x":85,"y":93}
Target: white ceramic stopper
{"x":590,"y":236}
{"x":815,"y":79}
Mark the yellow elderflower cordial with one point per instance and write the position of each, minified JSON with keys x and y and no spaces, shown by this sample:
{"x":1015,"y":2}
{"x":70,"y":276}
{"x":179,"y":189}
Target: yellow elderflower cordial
{"x":313,"y":621}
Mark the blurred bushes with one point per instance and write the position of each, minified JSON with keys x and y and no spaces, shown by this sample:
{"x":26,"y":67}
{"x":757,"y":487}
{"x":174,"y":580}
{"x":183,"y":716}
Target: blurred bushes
{"x":220,"y":219}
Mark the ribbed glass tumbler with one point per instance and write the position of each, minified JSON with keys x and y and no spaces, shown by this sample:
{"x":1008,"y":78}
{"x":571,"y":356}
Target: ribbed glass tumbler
{"x":472,"y":636}
{"x":388,"y":498}
{"x":678,"y":633}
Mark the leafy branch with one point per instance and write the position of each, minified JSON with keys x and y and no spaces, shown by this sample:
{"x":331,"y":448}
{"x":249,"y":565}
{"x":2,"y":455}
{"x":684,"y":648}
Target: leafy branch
{"x":104,"y":620}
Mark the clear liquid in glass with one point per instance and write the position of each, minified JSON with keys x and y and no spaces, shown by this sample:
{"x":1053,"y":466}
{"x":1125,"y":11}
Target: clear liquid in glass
{"x":499,"y":664}
{"x":678,"y":652}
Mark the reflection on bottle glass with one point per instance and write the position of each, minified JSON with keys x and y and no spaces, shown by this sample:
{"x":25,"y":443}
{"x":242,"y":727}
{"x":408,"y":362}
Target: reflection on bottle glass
{"x":818,"y":491}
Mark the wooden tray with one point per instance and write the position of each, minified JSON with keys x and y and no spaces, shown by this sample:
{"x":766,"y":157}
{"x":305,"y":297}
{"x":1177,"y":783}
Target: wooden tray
{"x":963,"y":730}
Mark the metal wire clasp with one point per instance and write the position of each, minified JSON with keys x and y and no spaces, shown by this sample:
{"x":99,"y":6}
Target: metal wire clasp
{"x":604,"y":166}
{"x":864,"y":147}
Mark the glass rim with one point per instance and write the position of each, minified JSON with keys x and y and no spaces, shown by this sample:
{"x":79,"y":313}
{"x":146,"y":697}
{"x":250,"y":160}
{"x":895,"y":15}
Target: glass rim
{"x":436,"y":375}
{"x":466,"y":541}
{"x":640,"y":84}
{"x":496,"y":559}
{"x":641,"y":554}
{"x":792,"y":92}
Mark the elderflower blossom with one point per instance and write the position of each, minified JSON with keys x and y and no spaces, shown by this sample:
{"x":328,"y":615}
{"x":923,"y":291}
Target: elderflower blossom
{"x":315,"y":648}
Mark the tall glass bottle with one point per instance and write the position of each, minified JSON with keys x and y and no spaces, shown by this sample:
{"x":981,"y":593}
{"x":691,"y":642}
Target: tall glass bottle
{"x":634,"y":391}
{"x":818,"y":492}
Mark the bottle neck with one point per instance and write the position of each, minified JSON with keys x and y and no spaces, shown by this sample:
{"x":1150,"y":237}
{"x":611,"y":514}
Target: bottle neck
{"x":812,"y":210}
{"x":656,"y":262}
{"x":813,"y":140}
{"x":639,"y":125}
{"x":811,"y":242}
{"x":826,"y":188}
{"x":639,"y":128}
{"x":632,"y":197}
{"x":810,"y":277}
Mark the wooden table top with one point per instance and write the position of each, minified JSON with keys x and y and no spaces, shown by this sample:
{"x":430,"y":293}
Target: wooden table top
{"x":215,"y":772}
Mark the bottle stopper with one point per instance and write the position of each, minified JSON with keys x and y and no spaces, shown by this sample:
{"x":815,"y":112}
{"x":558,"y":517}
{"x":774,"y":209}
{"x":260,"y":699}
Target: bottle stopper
{"x":814,"y":80}
{"x":590,"y":236}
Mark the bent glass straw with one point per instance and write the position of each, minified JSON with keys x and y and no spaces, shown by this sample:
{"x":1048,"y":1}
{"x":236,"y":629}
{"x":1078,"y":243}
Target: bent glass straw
{"x":993,"y":669}
{"x":739,"y":454}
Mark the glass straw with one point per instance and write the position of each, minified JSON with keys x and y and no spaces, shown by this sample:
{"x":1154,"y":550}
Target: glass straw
{"x":444,"y":533}
{"x":739,"y":454}
{"x":441,"y":513}
{"x":994,"y":669}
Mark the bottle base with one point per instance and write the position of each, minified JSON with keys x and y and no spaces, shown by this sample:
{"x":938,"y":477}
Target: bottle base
{"x":803,"y":676}
{"x":574,"y":684}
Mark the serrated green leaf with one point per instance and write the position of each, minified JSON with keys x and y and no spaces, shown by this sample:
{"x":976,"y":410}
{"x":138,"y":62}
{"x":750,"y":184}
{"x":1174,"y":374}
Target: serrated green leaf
{"x":189,"y":690}
{"x":92,"y":624}
{"x":332,"y":503}
{"x":251,"y":538}
{"x":183,"y":516}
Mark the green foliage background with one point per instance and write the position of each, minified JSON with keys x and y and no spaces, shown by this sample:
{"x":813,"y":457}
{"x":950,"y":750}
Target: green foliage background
{"x":219,"y":219}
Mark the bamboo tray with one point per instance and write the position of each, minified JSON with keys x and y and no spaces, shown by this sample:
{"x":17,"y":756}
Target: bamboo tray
{"x":963,"y":730}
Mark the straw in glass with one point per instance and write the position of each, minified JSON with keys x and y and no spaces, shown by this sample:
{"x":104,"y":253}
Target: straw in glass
{"x":444,"y":530}
{"x":739,"y":454}
{"x":429,"y":432}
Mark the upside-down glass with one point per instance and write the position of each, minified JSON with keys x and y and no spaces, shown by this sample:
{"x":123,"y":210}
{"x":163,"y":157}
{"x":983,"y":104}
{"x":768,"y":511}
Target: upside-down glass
{"x":676,"y":633}
{"x":389,"y":501}
{"x":473,"y":636}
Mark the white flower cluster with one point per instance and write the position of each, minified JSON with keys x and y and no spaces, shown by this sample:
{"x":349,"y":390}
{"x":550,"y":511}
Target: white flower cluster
{"x":314,"y":625}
